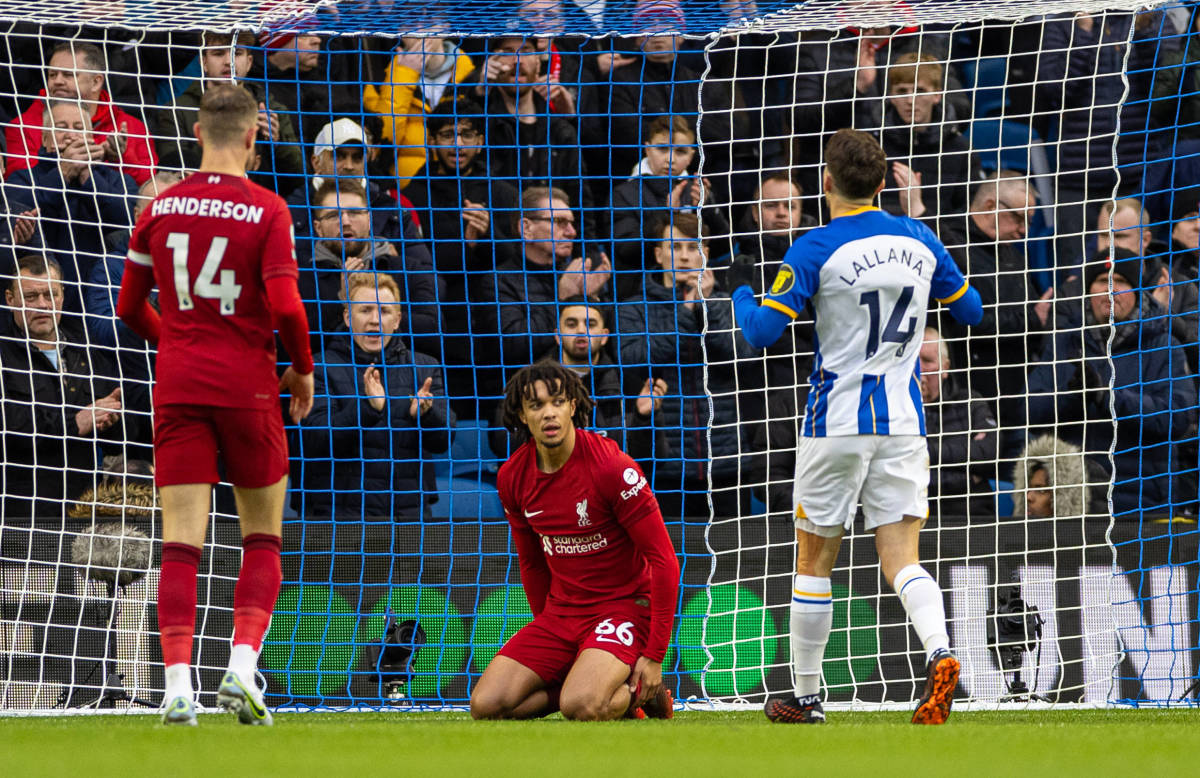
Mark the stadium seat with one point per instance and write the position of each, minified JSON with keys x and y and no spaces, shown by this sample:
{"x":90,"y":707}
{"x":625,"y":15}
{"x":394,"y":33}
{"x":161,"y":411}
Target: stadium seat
{"x":988,"y":78}
{"x":470,"y":454}
{"x":466,"y":498}
{"x":1005,"y":500}
{"x":1010,"y":144}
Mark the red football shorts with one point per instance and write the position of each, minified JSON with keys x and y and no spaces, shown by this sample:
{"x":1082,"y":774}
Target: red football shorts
{"x":189,"y":438}
{"x":550,"y":643}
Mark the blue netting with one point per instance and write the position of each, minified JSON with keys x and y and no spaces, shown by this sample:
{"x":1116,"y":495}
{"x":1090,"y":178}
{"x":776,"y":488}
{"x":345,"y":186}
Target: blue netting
{"x":391,"y":522}
{"x":380,"y":17}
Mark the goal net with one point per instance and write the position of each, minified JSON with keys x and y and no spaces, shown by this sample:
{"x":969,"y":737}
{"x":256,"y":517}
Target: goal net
{"x":477,"y":185}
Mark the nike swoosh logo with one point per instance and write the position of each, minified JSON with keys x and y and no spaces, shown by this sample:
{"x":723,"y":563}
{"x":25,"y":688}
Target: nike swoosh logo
{"x":531,"y":514}
{"x":259,"y":711}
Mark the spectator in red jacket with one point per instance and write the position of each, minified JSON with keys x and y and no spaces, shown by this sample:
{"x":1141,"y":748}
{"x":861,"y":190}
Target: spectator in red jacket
{"x":76,"y":71}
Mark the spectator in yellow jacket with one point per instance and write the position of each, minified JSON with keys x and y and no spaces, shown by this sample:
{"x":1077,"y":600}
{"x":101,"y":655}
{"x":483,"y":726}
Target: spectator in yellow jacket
{"x":421,"y":75}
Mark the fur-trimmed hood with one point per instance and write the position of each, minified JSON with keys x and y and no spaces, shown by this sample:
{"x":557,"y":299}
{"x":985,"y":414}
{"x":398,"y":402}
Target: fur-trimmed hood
{"x":1066,"y":471}
{"x":110,"y":498}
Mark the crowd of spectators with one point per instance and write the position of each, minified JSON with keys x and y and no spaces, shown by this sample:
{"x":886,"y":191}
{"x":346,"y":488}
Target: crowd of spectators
{"x":461,"y":210}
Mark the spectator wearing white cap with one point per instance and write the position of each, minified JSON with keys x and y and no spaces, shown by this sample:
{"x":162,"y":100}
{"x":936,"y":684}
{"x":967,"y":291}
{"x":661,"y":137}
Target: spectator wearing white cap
{"x":342,"y":150}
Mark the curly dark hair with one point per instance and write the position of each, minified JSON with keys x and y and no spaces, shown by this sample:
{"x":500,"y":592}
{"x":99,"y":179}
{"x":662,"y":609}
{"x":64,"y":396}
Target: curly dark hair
{"x":558,"y":380}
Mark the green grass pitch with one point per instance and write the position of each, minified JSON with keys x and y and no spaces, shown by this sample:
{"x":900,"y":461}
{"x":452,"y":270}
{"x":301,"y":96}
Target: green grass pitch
{"x":1123,"y":743}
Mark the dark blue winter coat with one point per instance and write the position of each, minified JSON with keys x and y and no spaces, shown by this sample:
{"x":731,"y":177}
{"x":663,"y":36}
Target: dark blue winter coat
{"x":358,"y":462}
{"x":1080,"y":74}
{"x":640,"y":207}
{"x":1153,"y":401}
{"x":661,"y":338}
{"x":72,"y":217}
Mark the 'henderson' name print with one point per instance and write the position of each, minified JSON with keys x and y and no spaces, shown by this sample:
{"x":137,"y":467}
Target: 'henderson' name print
{"x":207,"y":206}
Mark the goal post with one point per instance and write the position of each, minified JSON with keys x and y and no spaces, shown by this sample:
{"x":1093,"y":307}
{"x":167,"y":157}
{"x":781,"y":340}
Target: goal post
{"x":508,"y":157}
{"x":1023,"y":146}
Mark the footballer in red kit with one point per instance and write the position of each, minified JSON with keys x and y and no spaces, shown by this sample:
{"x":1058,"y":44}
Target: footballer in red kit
{"x":597,"y":566}
{"x":220,"y":249}
{"x":215,"y":241}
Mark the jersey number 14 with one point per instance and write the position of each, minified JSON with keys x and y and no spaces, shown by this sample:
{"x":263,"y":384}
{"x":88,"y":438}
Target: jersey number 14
{"x":891,"y":331}
{"x":226,"y":292}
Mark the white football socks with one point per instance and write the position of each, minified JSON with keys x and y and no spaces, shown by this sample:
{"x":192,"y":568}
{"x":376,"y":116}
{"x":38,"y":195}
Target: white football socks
{"x":243,"y":660}
{"x":810,"y":622}
{"x":178,"y":682}
{"x":922,"y":599}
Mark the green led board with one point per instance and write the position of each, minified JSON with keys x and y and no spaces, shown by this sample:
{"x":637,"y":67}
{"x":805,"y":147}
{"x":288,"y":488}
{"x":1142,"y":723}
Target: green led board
{"x":310,"y":645}
{"x":850,"y":656}
{"x":736,"y":628}
{"x":497,"y":619}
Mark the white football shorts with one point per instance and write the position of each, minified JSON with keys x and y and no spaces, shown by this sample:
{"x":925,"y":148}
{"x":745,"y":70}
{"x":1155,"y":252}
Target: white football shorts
{"x":889,"y":473}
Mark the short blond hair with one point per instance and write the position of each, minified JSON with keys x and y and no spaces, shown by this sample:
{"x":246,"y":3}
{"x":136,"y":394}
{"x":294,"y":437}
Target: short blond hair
{"x":914,"y":68}
{"x":373,"y":281}
{"x":943,"y":350}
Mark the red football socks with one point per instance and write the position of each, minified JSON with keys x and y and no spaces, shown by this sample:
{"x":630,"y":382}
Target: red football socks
{"x":177,"y":602}
{"x":257,"y":588}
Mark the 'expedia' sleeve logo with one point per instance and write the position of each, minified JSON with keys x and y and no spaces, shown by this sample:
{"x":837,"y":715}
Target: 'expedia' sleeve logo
{"x":636,"y":481}
{"x":783,"y":281}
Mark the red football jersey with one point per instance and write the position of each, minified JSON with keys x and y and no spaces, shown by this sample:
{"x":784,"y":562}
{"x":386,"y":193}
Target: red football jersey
{"x":593,"y":528}
{"x":212,"y":241}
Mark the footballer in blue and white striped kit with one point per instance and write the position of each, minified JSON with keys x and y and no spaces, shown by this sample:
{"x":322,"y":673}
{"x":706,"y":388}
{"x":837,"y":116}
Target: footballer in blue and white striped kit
{"x":868,"y":277}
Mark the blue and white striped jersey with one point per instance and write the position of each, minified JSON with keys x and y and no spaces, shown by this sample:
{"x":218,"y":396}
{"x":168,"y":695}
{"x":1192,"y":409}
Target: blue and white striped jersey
{"x":869,"y":276}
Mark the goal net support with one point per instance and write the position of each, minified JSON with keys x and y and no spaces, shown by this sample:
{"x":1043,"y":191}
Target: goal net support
{"x":517,"y":180}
